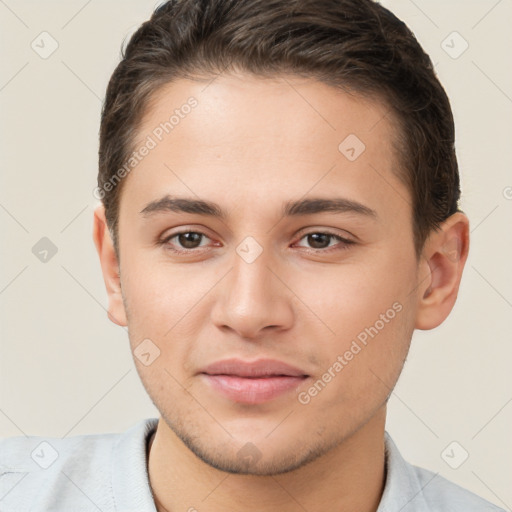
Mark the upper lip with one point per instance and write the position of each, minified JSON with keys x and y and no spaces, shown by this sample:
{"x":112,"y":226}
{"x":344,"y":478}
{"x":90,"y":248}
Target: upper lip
{"x":259,"y":368}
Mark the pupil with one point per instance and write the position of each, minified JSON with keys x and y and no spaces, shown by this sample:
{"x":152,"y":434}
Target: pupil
{"x":187,"y":239}
{"x":314,"y":240}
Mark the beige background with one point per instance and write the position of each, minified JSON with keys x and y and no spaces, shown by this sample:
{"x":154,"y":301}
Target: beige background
{"x":66,"y":370}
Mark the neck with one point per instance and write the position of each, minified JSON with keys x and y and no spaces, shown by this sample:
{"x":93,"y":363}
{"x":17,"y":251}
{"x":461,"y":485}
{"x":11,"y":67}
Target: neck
{"x":349,"y":477}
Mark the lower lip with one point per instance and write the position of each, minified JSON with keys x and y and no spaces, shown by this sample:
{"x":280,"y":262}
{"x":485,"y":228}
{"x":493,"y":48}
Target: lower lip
{"x":253,"y":390}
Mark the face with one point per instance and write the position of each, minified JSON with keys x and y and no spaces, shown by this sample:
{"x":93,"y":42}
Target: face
{"x":301,"y":261}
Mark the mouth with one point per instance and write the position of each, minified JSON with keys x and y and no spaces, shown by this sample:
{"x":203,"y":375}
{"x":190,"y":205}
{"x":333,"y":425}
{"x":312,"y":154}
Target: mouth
{"x":252,"y":382}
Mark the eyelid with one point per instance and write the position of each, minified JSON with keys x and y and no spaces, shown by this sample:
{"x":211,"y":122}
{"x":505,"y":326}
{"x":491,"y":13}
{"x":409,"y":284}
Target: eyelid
{"x":343,"y":243}
{"x":169,"y":233}
{"x":345,"y":235}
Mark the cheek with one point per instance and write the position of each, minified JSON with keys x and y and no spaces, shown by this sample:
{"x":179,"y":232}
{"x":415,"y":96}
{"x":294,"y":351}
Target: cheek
{"x":372,"y":315}
{"x":166,"y":306}
{"x":360,"y":370}
{"x":157,"y":291}
{"x":349,"y":297}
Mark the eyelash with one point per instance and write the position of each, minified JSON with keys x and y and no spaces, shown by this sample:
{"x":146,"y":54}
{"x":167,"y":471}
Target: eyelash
{"x":345,"y":242}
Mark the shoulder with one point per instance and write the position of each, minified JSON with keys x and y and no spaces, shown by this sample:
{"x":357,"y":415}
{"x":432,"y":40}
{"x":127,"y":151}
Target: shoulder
{"x":33,"y":453}
{"x":442,"y":495}
{"x":410,"y":488}
{"x":56,"y":473}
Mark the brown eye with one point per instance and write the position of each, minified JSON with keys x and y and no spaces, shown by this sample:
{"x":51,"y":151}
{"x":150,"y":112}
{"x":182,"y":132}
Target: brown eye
{"x":184,"y":241}
{"x":189,"y":240}
{"x":321,"y":242}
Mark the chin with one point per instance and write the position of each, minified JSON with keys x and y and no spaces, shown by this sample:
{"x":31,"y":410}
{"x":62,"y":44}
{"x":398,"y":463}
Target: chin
{"x":267,"y":453}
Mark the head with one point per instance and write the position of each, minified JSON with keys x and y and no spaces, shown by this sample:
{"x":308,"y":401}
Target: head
{"x":237,"y":123}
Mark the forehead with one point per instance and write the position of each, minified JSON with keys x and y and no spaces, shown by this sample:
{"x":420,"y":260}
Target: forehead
{"x":263,"y":138}
{"x":241,"y":104}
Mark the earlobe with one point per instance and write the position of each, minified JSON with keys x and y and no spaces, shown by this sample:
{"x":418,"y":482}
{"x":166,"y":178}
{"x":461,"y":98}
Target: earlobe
{"x":443,"y":260}
{"x":109,"y":267}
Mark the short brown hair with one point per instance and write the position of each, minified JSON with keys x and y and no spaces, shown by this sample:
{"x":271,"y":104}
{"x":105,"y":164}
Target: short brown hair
{"x":351,"y":44}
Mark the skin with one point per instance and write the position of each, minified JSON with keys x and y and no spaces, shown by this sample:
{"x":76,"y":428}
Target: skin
{"x":250,"y":145}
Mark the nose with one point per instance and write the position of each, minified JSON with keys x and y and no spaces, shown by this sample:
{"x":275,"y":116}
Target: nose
{"x":253,"y":298}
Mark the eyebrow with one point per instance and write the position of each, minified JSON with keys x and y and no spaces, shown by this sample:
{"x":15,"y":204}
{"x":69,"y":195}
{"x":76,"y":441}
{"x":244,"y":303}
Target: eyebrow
{"x":294,"y":208}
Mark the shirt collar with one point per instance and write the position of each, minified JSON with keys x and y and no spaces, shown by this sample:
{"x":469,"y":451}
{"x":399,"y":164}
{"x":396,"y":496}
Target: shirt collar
{"x":130,"y":479}
{"x":402,"y":490}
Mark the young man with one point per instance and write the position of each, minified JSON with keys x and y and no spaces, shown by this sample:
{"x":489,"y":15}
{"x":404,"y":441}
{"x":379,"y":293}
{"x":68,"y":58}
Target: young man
{"x":279,"y":213}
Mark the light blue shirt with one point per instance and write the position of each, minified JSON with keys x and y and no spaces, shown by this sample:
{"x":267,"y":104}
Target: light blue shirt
{"x":108,"y":473}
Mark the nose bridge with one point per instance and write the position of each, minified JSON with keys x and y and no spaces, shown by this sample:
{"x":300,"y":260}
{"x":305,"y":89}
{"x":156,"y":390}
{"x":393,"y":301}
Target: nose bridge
{"x":252,"y":297}
{"x":251,"y":279}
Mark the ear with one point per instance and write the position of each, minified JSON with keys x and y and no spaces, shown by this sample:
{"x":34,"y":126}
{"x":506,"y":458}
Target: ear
{"x":109,"y":267}
{"x":442,"y":262}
